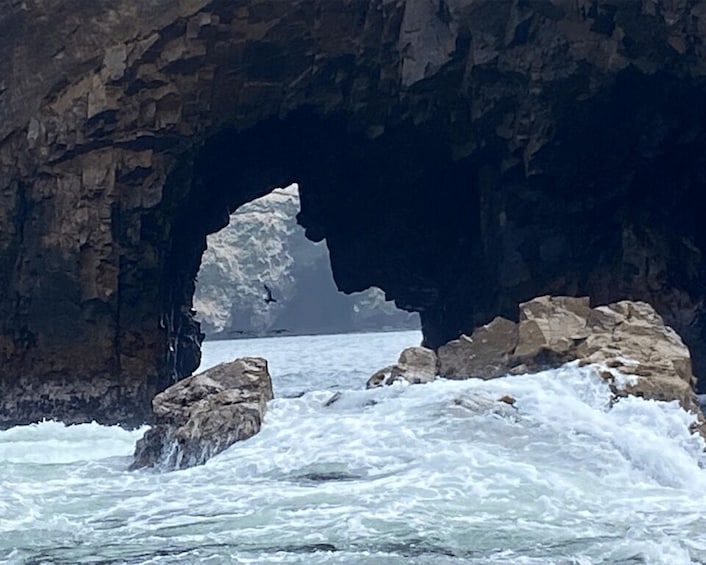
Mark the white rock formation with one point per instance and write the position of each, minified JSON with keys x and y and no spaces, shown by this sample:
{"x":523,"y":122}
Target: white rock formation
{"x":264,"y":245}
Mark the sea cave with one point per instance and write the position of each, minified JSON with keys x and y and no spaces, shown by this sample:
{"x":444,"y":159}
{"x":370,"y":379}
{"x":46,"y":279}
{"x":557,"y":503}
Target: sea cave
{"x":461,"y":156}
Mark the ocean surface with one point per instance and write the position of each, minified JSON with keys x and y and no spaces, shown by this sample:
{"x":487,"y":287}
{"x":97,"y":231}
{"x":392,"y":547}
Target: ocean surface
{"x":438,"y":474}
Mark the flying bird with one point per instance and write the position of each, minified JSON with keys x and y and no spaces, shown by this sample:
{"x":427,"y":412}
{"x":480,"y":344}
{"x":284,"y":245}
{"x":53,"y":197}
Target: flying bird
{"x":269,"y":297}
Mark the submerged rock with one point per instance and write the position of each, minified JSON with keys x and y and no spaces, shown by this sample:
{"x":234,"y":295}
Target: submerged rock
{"x":628,"y":337}
{"x":416,"y":365}
{"x":507,"y":399}
{"x":335,"y":397}
{"x":476,"y":403}
{"x":205,"y":414}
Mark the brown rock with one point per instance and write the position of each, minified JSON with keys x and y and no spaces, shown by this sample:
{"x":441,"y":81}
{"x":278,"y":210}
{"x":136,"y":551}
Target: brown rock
{"x":549,"y":328}
{"x":380,"y":378}
{"x":627,"y":337}
{"x":632,"y":338}
{"x":416,"y":365}
{"x":485,"y":354}
{"x":205,"y":414}
{"x":507,"y":399}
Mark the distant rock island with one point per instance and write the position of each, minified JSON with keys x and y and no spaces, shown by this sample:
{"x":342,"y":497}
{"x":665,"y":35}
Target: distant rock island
{"x":263,"y":248}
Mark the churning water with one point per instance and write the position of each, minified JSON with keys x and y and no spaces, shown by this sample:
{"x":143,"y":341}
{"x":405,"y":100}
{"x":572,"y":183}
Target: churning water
{"x":427,"y":474}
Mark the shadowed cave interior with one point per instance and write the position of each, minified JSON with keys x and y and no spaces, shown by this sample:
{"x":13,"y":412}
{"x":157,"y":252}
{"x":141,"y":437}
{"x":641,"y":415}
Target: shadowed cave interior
{"x":371,"y":200}
{"x":507,"y":152}
{"x":462,"y":239}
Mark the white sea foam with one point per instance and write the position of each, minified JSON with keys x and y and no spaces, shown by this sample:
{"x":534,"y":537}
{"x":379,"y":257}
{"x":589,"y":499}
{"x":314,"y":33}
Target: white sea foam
{"x":434,"y":474}
{"x":53,"y":443}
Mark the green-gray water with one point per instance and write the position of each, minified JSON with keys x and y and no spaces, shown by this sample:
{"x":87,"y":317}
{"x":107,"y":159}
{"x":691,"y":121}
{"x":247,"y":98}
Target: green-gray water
{"x":437,"y":474}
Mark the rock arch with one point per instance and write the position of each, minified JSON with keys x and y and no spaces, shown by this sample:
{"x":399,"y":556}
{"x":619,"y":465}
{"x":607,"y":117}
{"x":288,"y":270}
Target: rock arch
{"x":461,"y":155}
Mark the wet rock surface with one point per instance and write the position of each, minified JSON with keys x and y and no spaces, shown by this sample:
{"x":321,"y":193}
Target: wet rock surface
{"x":263,"y":244}
{"x":463,"y":156}
{"x":205,"y":414}
{"x":416,"y":365}
{"x":627,"y":337}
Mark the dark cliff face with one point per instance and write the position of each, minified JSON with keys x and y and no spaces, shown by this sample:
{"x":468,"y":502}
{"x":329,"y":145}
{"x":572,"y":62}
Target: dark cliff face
{"x":463,"y":155}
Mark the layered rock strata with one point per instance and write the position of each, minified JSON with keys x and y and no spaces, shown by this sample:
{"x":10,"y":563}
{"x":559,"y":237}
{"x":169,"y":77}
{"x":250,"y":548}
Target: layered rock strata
{"x":205,"y":414}
{"x":462,"y":155}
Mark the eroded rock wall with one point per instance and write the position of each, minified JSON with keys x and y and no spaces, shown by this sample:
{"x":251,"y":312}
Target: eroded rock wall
{"x":463,"y":155}
{"x":104,"y":107}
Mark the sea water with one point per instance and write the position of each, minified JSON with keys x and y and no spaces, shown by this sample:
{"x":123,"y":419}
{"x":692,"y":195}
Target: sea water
{"x":438,"y":474}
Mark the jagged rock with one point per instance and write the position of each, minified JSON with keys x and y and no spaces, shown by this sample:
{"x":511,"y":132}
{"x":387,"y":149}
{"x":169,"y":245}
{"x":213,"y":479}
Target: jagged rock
{"x":507,"y":399}
{"x":626,"y":336}
{"x":204,"y":414}
{"x":416,"y":365}
{"x":632,"y":338}
{"x":482,"y":404}
{"x":484,"y":355}
{"x":381,"y":377}
{"x":549,"y":327}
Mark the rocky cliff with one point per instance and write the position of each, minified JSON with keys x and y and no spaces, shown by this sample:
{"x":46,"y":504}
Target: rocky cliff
{"x":264,"y":245}
{"x":461,"y":155}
